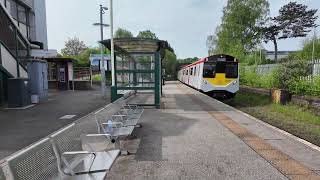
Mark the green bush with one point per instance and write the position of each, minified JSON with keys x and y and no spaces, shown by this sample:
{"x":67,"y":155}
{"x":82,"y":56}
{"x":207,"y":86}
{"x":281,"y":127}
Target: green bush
{"x":270,"y":80}
{"x":287,"y":76}
{"x":303,"y":87}
{"x":291,"y":71}
{"x":249,"y":77}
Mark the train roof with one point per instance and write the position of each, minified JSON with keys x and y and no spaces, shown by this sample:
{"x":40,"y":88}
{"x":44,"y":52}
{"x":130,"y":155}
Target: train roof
{"x":213,"y":58}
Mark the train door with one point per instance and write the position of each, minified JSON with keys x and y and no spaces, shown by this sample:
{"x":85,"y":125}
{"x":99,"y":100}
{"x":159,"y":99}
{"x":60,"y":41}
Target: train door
{"x":188,"y":76}
{"x":196,"y":75}
{"x":191,"y":76}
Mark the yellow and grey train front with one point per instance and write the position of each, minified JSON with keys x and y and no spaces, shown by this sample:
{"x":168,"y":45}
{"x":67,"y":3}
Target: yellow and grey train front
{"x":220,"y":76}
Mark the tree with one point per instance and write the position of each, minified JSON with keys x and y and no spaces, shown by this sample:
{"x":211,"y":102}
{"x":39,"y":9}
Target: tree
{"x":73,"y":47}
{"x":307,"y":50}
{"x":212,"y":42}
{"x":147,"y":34}
{"x":239,"y":32}
{"x":123,"y":33}
{"x":83,"y":58}
{"x":170,"y":63}
{"x":294,"y":20}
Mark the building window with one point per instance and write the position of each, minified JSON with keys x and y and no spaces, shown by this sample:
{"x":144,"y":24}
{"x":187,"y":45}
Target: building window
{"x":52,"y":71}
{"x":13,"y":9}
{"x":22,"y":14}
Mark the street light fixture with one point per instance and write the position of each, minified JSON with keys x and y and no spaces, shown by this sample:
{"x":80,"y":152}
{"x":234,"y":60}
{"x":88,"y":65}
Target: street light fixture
{"x":103,"y":72}
{"x":98,"y":24}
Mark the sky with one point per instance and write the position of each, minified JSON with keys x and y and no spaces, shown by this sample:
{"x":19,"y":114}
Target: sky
{"x":185,"y":24}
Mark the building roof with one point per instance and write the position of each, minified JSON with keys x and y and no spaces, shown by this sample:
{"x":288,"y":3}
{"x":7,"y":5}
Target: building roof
{"x":125,"y":46}
{"x":61,"y":59}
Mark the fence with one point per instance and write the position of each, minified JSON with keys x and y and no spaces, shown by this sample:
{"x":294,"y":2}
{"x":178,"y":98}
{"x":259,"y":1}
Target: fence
{"x":268,"y":68}
{"x":82,"y":73}
{"x":315,"y":67}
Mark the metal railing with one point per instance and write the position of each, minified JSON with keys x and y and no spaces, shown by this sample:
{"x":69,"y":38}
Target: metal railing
{"x":10,"y":63}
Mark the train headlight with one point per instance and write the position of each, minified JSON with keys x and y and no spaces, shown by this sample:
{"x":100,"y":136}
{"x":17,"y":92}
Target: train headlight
{"x":205,"y":82}
{"x":235,"y":82}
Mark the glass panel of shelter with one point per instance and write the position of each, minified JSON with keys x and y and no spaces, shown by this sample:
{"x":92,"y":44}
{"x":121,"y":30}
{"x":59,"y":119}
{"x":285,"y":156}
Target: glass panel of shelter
{"x":136,"y":70}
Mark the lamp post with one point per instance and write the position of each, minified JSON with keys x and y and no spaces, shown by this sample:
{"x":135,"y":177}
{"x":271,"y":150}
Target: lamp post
{"x":112,"y":45}
{"x":313,"y":43}
{"x":102,"y":69}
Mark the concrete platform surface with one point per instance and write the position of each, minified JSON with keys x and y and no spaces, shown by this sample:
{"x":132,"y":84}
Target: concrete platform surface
{"x":187,"y":140}
{"x":20,"y":128}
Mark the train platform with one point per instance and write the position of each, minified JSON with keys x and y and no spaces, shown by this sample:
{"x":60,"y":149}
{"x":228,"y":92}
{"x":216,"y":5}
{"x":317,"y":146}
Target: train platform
{"x":196,"y":137}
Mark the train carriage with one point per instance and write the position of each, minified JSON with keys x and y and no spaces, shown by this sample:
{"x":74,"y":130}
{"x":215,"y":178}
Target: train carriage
{"x":217,"y":76}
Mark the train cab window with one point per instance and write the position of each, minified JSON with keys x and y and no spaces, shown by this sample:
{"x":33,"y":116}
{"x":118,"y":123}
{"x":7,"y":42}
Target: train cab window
{"x":232,"y":70}
{"x":221,"y":67}
{"x":209,"y":71}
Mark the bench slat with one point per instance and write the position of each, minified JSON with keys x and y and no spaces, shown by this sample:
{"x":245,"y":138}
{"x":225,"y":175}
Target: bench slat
{"x":34,"y":163}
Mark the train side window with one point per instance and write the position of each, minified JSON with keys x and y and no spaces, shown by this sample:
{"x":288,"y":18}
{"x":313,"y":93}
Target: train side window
{"x":191,"y":71}
{"x":187,"y":72}
{"x":195,"y":70}
{"x":232,"y":70}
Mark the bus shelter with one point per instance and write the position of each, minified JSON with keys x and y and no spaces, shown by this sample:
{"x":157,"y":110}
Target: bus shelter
{"x":138,"y":68}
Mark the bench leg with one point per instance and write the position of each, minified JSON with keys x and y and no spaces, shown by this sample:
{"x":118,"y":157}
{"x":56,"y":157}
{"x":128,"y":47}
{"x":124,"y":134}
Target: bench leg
{"x":117,"y":145}
{"x":124,"y":153}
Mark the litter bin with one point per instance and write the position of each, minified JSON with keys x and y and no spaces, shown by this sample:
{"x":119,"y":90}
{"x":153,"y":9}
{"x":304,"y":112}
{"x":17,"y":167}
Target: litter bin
{"x":18,"y":92}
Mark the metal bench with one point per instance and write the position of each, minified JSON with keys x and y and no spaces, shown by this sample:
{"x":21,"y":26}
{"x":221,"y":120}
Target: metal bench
{"x":107,"y":113}
{"x":77,"y":160}
{"x":111,"y":128}
{"x":37,"y":162}
{"x":135,"y":109}
{"x":128,"y":118}
{"x":131,"y":111}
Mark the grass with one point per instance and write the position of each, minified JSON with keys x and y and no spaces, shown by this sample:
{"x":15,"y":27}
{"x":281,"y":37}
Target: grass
{"x":294,"y":119}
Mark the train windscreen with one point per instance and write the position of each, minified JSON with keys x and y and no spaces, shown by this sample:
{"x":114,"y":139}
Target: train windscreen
{"x":229,"y":68}
{"x":209,"y":70}
{"x":232,"y":70}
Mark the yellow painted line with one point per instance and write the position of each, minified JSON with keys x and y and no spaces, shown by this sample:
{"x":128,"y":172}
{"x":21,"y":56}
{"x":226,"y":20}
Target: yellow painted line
{"x":289,"y":167}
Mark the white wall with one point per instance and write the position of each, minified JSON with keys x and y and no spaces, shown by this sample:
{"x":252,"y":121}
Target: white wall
{"x":41,"y":22}
{"x":8,"y":62}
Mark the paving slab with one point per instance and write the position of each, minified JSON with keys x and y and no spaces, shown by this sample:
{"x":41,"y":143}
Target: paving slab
{"x":20,"y":128}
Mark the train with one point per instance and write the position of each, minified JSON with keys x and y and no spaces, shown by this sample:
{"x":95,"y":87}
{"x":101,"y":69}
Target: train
{"x":217,"y":76}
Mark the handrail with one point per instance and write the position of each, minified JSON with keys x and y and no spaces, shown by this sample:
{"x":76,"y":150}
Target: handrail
{"x":14,"y":56}
{"x":14,"y":24}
